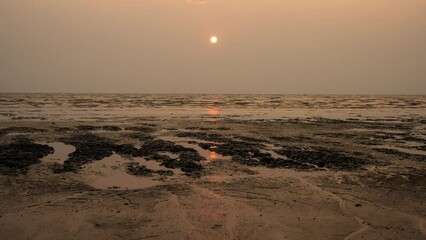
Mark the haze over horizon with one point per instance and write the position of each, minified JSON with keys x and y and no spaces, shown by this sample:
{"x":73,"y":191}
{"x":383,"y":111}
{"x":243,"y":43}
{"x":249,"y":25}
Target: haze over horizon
{"x":164,"y":46}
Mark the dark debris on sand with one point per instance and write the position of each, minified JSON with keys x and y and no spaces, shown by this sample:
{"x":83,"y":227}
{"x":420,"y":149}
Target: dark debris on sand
{"x":187,"y":161}
{"x":208,"y":128}
{"x":88,"y":148}
{"x":141,"y":129}
{"x":400,"y":154}
{"x":94,"y":128}
{"x":140,"y":136}
{"x":244,"y":150}
{"x":248,"y":151}
{"x":214,"y":137}
{"x":16,"y":157}
{"x":325,"y":157}
{"x":91,"y":147}
{"x":140,"y":170}
{"x":4,"y":131}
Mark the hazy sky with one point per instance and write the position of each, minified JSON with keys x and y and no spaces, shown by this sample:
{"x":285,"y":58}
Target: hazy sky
{"x":163,"y":46}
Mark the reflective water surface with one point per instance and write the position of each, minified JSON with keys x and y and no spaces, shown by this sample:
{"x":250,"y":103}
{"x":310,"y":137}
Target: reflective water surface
{"x":130,"y":106}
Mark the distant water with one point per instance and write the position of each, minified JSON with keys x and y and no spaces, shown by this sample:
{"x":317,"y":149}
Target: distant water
{"x":112,"y":106}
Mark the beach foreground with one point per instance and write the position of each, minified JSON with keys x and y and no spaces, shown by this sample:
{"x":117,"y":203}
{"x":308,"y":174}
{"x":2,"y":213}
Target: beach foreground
{"x":213,"y":178}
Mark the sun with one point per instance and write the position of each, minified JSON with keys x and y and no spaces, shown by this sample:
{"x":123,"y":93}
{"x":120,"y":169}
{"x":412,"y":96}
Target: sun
{"x":213,"y":39}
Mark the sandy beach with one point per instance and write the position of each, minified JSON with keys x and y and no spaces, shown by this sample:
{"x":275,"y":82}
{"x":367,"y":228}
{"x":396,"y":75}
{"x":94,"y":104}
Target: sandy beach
{"x":212,"y":175}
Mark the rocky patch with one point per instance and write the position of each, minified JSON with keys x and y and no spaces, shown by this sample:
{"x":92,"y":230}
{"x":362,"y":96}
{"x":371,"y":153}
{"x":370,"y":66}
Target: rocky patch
{"x":16,"y":157}
{"x":93,"y":148}
{"x":325,"y":157}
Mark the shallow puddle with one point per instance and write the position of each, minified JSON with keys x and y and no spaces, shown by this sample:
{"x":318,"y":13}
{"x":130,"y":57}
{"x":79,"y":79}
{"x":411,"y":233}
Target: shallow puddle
{"x":110,"y":173}
{"x":210,"y":155}
{"x":60,"y":154}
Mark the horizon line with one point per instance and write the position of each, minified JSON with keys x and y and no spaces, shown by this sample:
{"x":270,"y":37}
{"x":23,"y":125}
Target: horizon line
{"x":166,"y":93}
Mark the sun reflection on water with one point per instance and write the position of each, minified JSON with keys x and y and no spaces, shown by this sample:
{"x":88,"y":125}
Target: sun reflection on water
{"x":213,"y":155}
{"x":213,"y":111}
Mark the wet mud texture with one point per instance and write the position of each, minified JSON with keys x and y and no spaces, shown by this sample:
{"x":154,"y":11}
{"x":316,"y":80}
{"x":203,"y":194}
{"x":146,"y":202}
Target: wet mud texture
{"x":188,"y":158}
{"x":94,"y":128}
{"x":141,"y":129}
{"x":401,"y":155}
{"x":88,"y":148}
{"x":91,"y":148}
{"x":8,"y":130}
{"x":140,"y":170}
{"x":248,"y":151}
{"x":16,"y":157}
{"x":324,"y":157}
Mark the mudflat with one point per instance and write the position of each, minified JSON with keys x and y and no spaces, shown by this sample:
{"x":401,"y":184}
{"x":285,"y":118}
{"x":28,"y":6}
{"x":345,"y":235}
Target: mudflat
{"x":212,"y":176}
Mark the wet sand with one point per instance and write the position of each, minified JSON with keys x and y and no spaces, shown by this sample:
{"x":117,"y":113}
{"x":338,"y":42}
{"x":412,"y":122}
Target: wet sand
{"x":213,"y":177}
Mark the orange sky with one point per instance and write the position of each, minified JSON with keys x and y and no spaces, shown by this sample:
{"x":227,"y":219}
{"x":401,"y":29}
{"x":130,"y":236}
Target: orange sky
{"x":265,"y":46}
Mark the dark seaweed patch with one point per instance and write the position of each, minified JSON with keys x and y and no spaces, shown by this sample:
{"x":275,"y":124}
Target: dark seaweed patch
{"x":140,"y":136}
{"x":244,"y":152}
{"x":187,"y":161}
{"x":88,"y":128}
{"x":284,"y":163}
{"x":92,"y":148}
{"x":208,"y":128}
{"x":63,"y":129}
{"x":18,"y":156}
{"x":140,"y":170}
{"x":325,"y":157}
{"x":402,"y":155}
{"x":248,"y":151}
{"x":94,"y":128}
{"x":141,"y":129}
{"x":251,"y":139}
{"x":299,"y":138}
{"x":203,"y":136}
{"x":422,"y":148}
{"x":8,"y":130}
{"x":111,"y":128}
{"x":88,"y":148}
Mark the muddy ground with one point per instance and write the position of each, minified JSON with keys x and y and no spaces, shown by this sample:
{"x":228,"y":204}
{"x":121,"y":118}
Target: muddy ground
{"x":213,"y":179}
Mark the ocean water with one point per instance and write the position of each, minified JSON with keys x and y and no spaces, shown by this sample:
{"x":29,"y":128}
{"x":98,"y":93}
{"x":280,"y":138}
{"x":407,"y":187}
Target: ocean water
{"x":14,"y":106}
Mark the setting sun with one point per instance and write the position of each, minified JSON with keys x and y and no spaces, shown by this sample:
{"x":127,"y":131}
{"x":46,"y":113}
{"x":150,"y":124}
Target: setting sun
{"x":213,"y":39}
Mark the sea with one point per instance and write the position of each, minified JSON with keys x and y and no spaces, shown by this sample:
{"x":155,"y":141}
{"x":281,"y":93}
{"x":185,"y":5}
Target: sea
{"x":93,"y":107}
